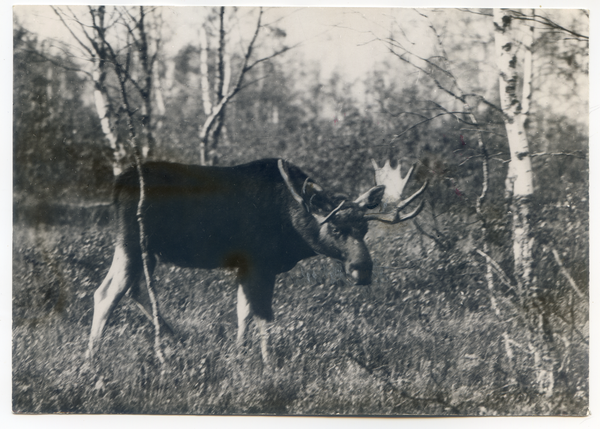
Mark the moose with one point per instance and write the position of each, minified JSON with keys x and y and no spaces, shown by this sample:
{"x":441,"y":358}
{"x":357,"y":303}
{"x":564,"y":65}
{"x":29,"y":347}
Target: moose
{"x":260,"y":218}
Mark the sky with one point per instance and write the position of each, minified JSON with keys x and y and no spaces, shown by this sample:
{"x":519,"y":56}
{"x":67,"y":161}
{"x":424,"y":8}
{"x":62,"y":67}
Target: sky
{"x":335,"y":40}
{"x":338,"y":40}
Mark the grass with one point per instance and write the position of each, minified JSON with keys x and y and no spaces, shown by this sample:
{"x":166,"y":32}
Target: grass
{"x":422,"y":340}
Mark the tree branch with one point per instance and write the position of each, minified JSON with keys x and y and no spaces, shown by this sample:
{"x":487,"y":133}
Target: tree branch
{"x":577,"y":154}
{"x":83,"y":45}
{"x":425,"y":120}
{"x":55,"y":62}
{"x":515,"y":14}
{"x":566,"y":274}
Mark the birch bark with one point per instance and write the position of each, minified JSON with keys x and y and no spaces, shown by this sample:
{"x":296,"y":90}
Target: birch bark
{"x":519,"y":181}
{"x":519,"y":187}
{"x":101,"y":100}
{"x":208,"y":142}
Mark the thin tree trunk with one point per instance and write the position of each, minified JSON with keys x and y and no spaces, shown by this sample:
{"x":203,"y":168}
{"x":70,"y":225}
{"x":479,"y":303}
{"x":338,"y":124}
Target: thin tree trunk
{"x":158,"y":96}
{"x":460,"y":96}
{"x":137,"y":153}
{"x":221,"y":55}
{"x":204,"y":85}
{"x":146,"y":92}
{"x":209,"y":143}
{"x":221,"y":68}
{"x":213,"y":122}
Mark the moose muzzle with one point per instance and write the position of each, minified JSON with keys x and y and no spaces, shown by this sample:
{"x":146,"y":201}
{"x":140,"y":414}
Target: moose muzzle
{"x":360,"y":272}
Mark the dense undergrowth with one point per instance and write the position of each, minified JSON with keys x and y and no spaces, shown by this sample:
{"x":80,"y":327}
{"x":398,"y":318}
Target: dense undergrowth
{"x":422,"y":339}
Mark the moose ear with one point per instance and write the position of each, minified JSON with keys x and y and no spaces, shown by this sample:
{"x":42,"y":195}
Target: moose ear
{"x":371,"y":198}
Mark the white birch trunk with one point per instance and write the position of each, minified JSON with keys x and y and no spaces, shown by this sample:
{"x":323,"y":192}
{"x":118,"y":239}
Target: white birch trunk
{"x":519,"y":185}
{"x":158,"y":92}
{"x":226,"y":72}
{"x":49,"y":78}
{"x":169,"y":81}
{"x":204,"y":88}
{"x":102,"y":107}
{"x":520,"y":176}
{"x":528,"y":68}
{"x":206,"y":104}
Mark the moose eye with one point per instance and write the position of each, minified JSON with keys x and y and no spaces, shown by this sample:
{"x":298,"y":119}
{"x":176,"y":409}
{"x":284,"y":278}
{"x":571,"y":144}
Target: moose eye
{"x":335,"y":231}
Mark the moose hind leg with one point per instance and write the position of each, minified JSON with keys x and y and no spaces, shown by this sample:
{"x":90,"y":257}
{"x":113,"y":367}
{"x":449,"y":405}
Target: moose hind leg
{"x":121,"y":276}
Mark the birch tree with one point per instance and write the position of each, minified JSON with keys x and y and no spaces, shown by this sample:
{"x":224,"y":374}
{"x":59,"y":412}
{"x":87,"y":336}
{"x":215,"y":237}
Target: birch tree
{"x":519,"y":181}
{"x":89,"y":38}
{"x":136,"y":48}
{"x":225,"y":89}
{"x":122,"y":72}
{"x":143,"y":43}
{"x":513,"y":61}
{"x":209,"y":143}
{"x":133,"y":78}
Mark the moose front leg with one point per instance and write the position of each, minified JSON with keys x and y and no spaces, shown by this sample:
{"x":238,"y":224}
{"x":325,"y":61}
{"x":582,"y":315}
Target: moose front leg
{"x":254,"y":298}
{"x":264,"y":338}
{"x":243,"y":314}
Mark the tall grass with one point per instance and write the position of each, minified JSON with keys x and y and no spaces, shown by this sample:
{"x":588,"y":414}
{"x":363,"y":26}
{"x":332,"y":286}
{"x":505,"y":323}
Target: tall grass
{"x":422,"y":340}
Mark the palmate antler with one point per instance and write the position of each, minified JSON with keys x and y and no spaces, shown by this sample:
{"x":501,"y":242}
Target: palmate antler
{"x":394,"y":186}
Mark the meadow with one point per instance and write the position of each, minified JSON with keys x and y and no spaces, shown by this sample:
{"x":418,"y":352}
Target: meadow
{"x":423,"y":339}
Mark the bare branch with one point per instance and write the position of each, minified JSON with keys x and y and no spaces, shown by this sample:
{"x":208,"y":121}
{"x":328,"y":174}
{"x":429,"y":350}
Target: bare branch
{"x":83,"y":45}
{"x":250,"y":47}
{"x":383,"y":109}
{"x":480,"y":156}
{"x":55,"y":62}
{"x":566,"y":274}
{"x":515,"y":14}
{"x":216,"y":111}
{"x":427,"y":73}
{"x":435,"y":239}
{"x":252,"y":82}
{"x":578,"y":154}
{"x":275,"y":54}
{"x":485,"y":101}
{"x":473,"y":12}
{"x":426,"y":120}
{"x":501,"y":274}
{"x":442,"y":108}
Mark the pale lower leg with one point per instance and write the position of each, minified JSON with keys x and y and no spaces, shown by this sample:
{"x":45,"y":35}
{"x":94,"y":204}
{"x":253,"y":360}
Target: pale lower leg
{"x":264,"y":337}
{"x":243,"y":313}
{"x":106,"y":297}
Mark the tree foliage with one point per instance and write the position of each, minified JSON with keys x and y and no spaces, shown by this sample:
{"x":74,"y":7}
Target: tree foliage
{"x":57,"y":147}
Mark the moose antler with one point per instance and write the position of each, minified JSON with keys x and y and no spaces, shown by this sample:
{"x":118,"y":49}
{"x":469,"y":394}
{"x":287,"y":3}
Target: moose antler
{"x":334,"y":211}
{"x":394,"y":186}
{"x":307,"y":183}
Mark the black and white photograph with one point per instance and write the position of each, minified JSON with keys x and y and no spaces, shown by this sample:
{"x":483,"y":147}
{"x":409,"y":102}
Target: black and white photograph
{"x":300,"y":211}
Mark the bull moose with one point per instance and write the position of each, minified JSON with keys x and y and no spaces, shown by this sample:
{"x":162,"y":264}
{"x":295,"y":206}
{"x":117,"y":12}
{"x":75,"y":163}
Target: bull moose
{"x":260,"y":218}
